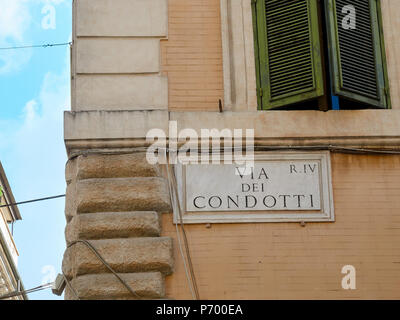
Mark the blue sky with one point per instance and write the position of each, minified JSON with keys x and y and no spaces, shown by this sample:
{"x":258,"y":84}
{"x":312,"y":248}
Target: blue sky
{"x":34,"y":92}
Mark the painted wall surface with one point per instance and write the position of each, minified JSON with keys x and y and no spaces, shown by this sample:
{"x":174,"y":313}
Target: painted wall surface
{"x":288,"y":261}
{"x":192,"y":55}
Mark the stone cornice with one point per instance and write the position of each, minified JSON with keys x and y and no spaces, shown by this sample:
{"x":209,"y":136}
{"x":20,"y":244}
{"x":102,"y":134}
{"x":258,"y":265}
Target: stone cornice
{"x":128,"y":129}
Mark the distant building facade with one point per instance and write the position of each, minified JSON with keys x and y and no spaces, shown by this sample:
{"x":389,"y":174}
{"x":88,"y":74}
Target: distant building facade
{"x":10,"y":280}
{"x":317,"y":81}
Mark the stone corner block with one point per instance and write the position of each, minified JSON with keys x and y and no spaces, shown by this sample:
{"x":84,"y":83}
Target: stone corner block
{"x":115,"y":166}
{"x":123,"y":255}
{"x":123,"y":194}
{"x":148,"y":285}
{"x":110,"y":225}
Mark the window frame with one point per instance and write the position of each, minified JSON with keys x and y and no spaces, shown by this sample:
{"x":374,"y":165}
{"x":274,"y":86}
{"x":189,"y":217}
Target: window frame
{"x":263,"y":94}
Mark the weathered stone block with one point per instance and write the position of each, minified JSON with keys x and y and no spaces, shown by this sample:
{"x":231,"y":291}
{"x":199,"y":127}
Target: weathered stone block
{"x":70,"y":200}
{"x":115,"y":166}
{"x":108,"y":225}
{"x":123,"y":255}
{"x":123,"y":194}
{"x":70,"y":170}
{"x":106,"y":286}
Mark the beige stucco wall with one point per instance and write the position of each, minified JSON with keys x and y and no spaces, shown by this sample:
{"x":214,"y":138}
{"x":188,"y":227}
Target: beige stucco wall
{"x":192,"y":55}
{"x":288,"y":261}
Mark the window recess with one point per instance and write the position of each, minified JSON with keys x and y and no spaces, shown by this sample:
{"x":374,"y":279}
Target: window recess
{"x":320,"y":54}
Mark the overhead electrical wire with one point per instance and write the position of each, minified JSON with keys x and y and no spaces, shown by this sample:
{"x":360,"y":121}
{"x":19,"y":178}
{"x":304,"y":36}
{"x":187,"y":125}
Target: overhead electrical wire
{"x":71,"y":287}
{"x":332,"y":148}
{"x":30,"y":201}
{"x":188,"y":255}
{"x":37,"y":46}
{"x":173,"y":201}
{"x":20,"y":293}
{"x":68,"y":283}
{"x":98,"y":255}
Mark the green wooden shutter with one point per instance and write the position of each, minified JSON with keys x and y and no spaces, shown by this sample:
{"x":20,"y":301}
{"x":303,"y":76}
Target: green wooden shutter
{"x":357,"y":56}
{"x":289,"y":52}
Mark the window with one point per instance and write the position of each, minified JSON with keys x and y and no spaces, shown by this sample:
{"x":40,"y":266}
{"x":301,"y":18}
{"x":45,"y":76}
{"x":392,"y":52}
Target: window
{"x":320,"y":54}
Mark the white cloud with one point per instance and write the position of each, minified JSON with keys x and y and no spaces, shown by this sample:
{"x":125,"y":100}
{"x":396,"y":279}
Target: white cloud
{"x":15,"y":20}
{"x":32,"y":148}
{"x":30,"y":112}
{"x":33,"y":154}
{"x":15,"y":17}
{"x":56,"y":2}
{"x":11,"y":61}
{"x":35,"y":143}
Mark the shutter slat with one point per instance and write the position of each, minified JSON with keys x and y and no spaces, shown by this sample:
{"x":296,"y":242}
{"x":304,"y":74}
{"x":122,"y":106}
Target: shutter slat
{"x":357,"y":55}
{"x":355,"y":44}
{"x":289,"y":66}
{"x":279,"y":16}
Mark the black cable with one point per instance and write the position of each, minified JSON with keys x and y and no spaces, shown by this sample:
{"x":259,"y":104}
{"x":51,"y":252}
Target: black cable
{"x":38,"y":46}
{"x":29,"y":201}
{"x":70,"y":287}
{"x":20,"y":293}
{"x":189,"y":258}
{"x":98,"y":255}
{"x":332,"y":148}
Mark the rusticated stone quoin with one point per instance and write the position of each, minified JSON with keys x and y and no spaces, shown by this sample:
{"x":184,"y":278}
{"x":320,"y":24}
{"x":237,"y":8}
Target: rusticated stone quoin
{"x":71,"y":170}
{"x":115,"y":202}
{"x":123,"y":255}
{"x":148,"y":285}
{"x":123,"y":194}
{"x":71,"y":200}
{"x":108,"y":225}
{"x":115,"y":166}
{"x":70,"y":177}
